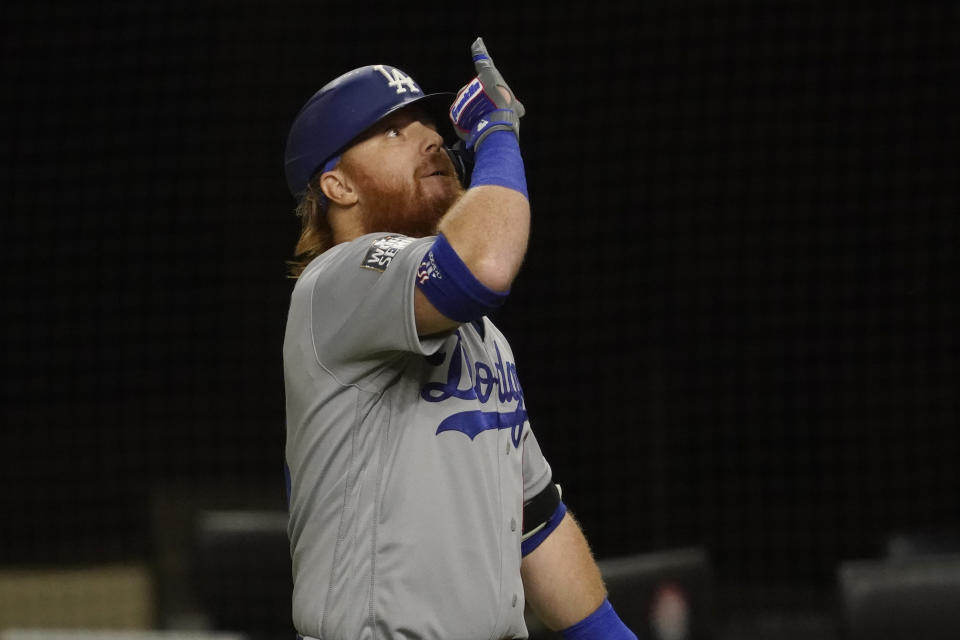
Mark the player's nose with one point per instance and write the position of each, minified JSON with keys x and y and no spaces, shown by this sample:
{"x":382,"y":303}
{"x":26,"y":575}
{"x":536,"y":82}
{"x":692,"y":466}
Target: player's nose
{"x":430,"y":139}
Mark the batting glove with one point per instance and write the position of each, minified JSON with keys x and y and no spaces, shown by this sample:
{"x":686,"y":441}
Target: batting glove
{"x":486,"y":104}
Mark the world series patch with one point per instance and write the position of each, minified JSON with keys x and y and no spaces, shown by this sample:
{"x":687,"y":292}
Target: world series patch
{"x":382,"y":251}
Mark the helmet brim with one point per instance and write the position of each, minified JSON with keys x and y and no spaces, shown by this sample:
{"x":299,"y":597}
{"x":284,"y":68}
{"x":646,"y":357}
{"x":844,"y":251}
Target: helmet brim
{"x":436,"y":105}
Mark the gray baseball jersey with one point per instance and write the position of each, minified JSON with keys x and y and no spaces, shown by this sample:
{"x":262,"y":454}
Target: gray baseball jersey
{"x":409,"y":458}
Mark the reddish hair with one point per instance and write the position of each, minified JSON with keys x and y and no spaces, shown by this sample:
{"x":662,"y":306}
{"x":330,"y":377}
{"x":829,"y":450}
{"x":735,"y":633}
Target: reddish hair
{"x":316,"y":236}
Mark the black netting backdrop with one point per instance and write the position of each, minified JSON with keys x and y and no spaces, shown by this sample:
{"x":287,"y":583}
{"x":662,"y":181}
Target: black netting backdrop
{"x":737,"y":322}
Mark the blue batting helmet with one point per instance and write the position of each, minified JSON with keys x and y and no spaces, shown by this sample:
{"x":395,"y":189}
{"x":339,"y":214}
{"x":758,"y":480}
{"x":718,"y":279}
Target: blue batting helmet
{"x":346,"y":107}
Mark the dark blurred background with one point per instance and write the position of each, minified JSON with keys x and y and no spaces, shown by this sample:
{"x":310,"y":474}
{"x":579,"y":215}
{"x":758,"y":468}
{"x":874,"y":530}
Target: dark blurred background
{"x":736,"y":327}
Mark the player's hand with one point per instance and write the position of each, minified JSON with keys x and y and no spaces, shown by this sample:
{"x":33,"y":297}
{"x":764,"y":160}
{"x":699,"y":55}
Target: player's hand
{"x":486,"y":103}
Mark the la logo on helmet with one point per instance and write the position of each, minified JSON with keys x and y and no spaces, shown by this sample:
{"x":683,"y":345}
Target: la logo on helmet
{"x":398,"y":79}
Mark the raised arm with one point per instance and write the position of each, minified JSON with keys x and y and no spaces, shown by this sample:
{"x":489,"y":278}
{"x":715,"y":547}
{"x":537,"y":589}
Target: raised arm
{"x":483,"y":238}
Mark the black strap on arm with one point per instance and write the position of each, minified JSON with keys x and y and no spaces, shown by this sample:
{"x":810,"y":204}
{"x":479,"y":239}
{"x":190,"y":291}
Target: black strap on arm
{"x":538,"y":509}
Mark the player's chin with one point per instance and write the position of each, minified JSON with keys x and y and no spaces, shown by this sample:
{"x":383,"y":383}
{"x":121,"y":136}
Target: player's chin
{"x":443,"y":190}
{"x":440,"y":183}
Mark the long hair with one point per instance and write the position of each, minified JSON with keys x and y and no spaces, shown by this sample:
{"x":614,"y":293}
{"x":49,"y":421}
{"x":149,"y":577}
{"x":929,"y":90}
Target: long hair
{"x":316,"y":236}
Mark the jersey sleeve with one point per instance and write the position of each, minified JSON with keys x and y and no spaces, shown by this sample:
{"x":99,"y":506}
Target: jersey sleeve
{"x":536,"y":470}
{"x":362,"y":303}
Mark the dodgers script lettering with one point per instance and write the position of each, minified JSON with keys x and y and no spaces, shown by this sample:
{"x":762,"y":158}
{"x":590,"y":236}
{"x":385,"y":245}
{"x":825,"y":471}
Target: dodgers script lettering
{"x":482,"y":378}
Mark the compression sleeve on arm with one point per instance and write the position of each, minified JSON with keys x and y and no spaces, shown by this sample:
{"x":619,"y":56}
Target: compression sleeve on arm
{"x":450,"y":286}
{"x":498,"y":162}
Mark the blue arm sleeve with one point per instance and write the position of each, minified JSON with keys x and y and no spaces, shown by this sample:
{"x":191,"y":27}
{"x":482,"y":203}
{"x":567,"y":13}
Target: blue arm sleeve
{"x":452,"y":288}
{"x":498,"y":162}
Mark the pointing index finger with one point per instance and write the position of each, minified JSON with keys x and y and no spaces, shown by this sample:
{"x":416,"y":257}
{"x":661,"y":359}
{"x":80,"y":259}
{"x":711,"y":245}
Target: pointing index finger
{"x":481,"y":59}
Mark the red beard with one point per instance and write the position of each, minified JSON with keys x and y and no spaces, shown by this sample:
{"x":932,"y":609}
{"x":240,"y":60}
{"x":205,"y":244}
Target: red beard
{"x":405,"y":207}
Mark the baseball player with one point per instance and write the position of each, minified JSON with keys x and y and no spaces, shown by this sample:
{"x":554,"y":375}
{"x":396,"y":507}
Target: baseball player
{"x":421,"y":505}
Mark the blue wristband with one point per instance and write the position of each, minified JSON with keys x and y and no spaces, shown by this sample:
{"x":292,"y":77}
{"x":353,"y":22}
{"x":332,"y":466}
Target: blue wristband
{"x":602,"y":624}
{"x":498,"y":162}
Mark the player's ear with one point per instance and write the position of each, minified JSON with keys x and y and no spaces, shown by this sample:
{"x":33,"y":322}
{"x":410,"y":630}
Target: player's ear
{"x":337,"y":186}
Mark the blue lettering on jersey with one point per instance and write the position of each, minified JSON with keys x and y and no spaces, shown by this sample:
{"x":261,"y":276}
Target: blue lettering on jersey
{"x":503,"y":375}
{"x":472,"y":423}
